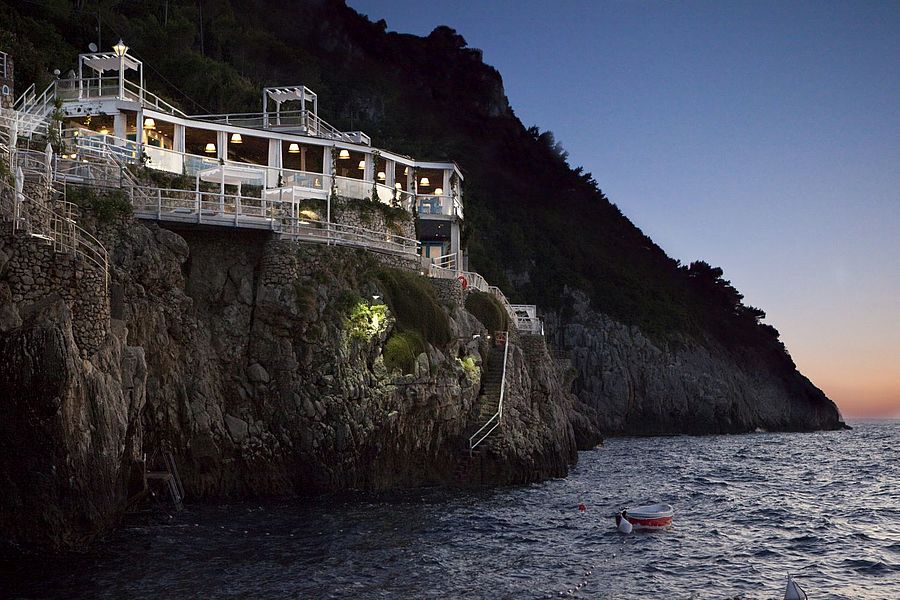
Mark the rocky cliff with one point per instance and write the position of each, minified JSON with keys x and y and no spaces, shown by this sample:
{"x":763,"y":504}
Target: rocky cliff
{"x":641,"y":386}
{"x":260,"y":364}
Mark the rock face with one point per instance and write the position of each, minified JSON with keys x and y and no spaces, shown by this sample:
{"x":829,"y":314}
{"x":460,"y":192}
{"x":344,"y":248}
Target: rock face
{"x":640,"y":387}
{"x":237,"y":353}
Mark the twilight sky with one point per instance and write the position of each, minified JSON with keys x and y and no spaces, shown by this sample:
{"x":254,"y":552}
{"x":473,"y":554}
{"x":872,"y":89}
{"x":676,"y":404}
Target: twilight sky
{"x":763,"y":137}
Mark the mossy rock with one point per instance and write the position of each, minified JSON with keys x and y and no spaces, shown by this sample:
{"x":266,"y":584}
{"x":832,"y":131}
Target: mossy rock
{"x":488,"y":310}
{"x":414,"y":305}
{"x":401,"y":351}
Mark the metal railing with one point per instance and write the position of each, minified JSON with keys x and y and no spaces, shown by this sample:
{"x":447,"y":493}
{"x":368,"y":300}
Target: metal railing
{"x":56,"y":227}
{"x":447,"y":261}
{"x":234,"y":210}
{"x":526,"y":319}
{"x":97,"y":88}
{"x":494,"y":422}
{"x":429,"y":204}
{"x":306,"y":121}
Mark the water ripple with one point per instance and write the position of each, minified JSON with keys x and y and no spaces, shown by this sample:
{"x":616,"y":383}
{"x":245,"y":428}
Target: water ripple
{"x":749,"y":510}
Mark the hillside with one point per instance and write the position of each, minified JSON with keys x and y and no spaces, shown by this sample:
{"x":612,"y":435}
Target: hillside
{"x":539,"y":228}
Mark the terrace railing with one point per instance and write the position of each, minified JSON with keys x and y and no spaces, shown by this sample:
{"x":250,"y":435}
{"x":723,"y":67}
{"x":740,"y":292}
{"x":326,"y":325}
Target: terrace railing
{"x":429,"y":204}
{"x":57,"y":227}
{"x":526,"y":319}
{"x":302,"y":120}
{"x":98,"y":88}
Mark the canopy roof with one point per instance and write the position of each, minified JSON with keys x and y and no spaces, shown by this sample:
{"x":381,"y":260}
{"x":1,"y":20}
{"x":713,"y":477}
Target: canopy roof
{"x":109,"y":61}
{"x":232,"y":175}
{"x":285,"y":94}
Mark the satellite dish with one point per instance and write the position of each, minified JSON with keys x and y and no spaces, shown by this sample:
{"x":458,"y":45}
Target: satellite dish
{"x":56,"y":72}
{"x":92,"y":47}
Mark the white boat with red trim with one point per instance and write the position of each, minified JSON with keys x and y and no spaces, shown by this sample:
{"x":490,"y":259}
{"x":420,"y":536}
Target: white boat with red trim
{"x":651,"y":516}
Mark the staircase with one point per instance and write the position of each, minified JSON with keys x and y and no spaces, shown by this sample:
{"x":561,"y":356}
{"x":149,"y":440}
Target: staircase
{"x":32,"y":110}
{"x":493,"y":382}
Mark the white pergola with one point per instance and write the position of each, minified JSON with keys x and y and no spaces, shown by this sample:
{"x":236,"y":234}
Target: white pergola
{"x":119,"y":61}
{"x":296,"y":93}
{"x":230,"y":175}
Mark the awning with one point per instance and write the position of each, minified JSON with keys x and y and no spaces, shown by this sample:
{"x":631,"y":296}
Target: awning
{"x":232,"y":175}
{"x":108,"y":61}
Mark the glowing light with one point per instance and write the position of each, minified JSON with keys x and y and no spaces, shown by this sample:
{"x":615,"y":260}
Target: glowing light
{"x":236,"y":138}
{"x":210,"y":148}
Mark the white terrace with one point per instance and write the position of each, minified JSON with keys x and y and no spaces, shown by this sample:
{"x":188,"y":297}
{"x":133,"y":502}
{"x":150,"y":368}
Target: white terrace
{"x":293,"y":146}
{"x":284,"y":154}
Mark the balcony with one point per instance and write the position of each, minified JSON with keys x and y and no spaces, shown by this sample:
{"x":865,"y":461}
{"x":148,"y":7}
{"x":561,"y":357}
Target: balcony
{"x":431,"y":206}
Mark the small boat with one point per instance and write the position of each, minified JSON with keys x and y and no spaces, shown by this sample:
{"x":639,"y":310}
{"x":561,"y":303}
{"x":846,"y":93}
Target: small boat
{"x":652,"y":516}
{"x":794,"y":591}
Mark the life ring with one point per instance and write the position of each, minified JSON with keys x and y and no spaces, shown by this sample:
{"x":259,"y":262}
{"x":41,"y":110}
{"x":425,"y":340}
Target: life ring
{"x":462,"y":280}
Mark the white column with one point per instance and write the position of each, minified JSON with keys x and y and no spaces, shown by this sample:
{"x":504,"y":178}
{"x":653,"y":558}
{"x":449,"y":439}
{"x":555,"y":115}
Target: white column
{"x":275,"y":163}
{"x":222,"y":144}
{"x":369,"y":171}
{"x":178,"y":138}
{"x":454,"y":243}
{"x":390,"y":171}
{"x":120,"y":125}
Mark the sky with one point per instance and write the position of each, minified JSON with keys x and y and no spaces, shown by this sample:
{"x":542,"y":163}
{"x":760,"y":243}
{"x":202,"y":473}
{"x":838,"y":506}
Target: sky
{"x":762,"y":137}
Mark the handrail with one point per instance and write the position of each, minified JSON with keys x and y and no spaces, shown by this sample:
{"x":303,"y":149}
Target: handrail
{"x":308,"y":120}
{"x":76,"y":240}
{"x":498,"y":416}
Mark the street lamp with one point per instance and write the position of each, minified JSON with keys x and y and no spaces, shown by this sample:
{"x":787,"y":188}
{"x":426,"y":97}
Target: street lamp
{"x":120,"y":49}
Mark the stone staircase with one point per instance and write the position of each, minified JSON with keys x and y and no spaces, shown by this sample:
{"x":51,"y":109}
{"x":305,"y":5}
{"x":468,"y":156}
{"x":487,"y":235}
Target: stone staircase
{"x":488,"y":404}
{"x":491,"y":381}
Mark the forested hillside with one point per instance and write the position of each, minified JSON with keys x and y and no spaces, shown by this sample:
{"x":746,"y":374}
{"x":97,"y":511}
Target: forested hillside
{"x":535,"y":223}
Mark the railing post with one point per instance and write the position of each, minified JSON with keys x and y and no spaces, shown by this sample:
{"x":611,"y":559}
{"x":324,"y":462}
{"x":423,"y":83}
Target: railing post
{"x":158,"y":204}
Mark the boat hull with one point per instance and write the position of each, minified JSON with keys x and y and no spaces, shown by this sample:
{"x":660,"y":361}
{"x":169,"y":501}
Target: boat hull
{"x":654,"y":516}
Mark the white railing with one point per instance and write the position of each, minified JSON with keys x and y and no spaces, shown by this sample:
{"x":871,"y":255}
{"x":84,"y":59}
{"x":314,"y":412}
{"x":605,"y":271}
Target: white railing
{"x":447,"y":261}
{"x":96,"y":88}
{"x":305,"y":121}
{"x":3,"y":57}
{"x":429,"y":204}
{"x":494,"y":422}
{"x":216,"y":208}
{"x":37,"y":220}
{"x":526,"y":319}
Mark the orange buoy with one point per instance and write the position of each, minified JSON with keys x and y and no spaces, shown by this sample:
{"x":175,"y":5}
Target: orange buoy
{"x":582,"y":507}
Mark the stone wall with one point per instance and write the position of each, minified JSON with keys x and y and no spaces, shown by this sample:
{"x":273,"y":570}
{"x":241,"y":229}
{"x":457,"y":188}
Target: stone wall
{"x":449,"y":291}
{"x":31,"y":268}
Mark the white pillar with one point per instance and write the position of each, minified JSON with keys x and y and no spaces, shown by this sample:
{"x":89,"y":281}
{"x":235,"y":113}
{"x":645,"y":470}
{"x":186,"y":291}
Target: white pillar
{"x":222,"y":144}
{"x":390,"y":172}
{"x":120,"y":125}
{"x":455,"y":243}
{"x":274,"y":162}
{"x":178,"y":138}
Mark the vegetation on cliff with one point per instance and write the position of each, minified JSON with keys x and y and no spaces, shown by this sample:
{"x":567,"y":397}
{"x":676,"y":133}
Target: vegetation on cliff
{"x":535,"y":225}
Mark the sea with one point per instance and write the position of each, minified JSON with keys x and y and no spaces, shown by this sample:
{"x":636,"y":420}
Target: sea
{"x":751,"y":509}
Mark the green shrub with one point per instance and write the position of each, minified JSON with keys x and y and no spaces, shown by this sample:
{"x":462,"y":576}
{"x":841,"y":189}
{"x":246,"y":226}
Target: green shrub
{"x":412,"y":300}
{"x":468,"y":365}
{"x":106,"y":204}
{"x":488,"y":310}
{"x":401,"y":350}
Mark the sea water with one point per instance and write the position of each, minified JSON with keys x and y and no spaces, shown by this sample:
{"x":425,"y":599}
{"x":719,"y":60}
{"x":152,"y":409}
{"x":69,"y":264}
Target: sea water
{"x":750,"y":509}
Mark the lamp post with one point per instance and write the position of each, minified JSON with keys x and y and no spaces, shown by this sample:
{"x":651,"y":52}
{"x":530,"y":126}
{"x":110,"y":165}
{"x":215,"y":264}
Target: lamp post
{"x":120,"y":49}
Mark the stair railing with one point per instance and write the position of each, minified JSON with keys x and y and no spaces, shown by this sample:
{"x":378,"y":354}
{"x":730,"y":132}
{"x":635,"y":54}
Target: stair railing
{"x":494,"y":422}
